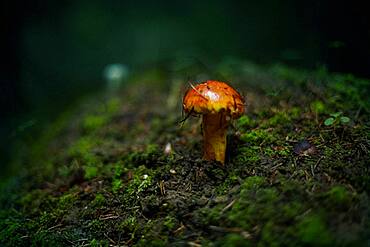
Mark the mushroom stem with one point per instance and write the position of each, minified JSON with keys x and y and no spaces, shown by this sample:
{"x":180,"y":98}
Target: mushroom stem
{"x":214,"y":136}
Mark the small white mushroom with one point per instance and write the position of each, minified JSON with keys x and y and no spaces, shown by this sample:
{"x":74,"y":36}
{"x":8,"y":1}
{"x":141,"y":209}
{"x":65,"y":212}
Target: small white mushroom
{"x":168,"y":149}
{"x":115,"y":75}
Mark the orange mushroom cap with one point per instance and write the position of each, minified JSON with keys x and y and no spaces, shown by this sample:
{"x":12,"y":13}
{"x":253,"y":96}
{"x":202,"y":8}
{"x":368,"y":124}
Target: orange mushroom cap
{"x":213,"y":97}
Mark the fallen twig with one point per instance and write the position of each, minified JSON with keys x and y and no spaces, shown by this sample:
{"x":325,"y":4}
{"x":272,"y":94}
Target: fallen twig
{"x":228,"y":206}
{"x":54,"y":227}
{"x":108,"y":217}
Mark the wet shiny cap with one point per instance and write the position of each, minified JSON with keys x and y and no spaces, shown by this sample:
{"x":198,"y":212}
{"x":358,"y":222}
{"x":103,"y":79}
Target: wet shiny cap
{"x":213,"y":97}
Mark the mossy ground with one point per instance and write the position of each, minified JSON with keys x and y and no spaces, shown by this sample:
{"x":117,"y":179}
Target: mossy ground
{"x":120,"y":170}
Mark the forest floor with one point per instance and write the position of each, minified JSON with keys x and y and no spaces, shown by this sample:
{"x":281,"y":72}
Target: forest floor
{"x":119,"y":169}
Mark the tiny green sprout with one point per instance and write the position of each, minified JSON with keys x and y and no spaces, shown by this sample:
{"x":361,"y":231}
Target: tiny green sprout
{"x":329,"y":121}
{"x":337,"y":118}
{"x":344,"y":120}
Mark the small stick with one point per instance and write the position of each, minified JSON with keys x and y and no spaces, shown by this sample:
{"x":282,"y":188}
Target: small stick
{"x":109,"y":216}
{"x":228,"y":206}
{"x":201,"y":95}
{"x":318,"y":162}
{"x":54,"y":227}
{"x":111,"y":240}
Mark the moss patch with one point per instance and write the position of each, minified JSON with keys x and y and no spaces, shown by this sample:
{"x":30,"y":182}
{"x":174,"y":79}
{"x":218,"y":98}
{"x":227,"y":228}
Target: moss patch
{"x":121,"y":171}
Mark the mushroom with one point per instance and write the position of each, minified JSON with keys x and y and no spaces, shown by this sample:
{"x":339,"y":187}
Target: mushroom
{"x":218,"y":103}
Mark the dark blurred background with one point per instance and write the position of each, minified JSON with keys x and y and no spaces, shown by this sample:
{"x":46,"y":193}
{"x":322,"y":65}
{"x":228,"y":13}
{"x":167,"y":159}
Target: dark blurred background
{"x":53,"y":52}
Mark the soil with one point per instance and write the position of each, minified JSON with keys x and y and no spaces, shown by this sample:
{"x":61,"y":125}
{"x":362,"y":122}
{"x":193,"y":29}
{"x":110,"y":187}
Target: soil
{"x":121,"y":169}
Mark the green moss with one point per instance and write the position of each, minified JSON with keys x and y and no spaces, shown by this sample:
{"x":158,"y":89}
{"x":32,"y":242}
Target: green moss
{"x":142,"y":179}
{"x":49,"y":217}
{"x":254,"y":205}
{"x":99,"y":243}
{"x":248,"y":154}
{"x":277,"y":119}
{"x":99,"y":200}
{"x":292,"y":209}
{"x":129,"y":225}
{"x":233,"y":239}
{"x":90,"y":172}
{"x":116,"y":185}
{"x":312,"y":230}
{"x":83,"y":145}
{"x":119,"y":169}
{"x":253,"y":183}
{"x":93,"y":122}
{"x":245,"y":122}
{"x":151,"y":234}
{"x":269,"y":195}
{"x":97,"y":225}
{"x":270,"y":236}
{"x":11,"y":232}
{"x":210,"y":216}
{"x":112,"y":106}
{"x":47,"y":238}
{"x":152,"y":242}
{"x":268,"y":151}
{"x":281,"y":117}
{"x":65,"y":171}
{"x":170,"y":222}
{"x":94,"y":243}
{"x":141,"y":186}
{"x":257,"y":136}
{"x":146,"y":157}
{"x":351,"y":90}
{"x":281,"y":151}
{"x":339,"y":195}
{"x":103,"y":115}
{"x":225,"y":186}
{"x":82,"y":149}
{"x":33,"y":200}
{"x":66,"y":201}
{"x":318,"y":106}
